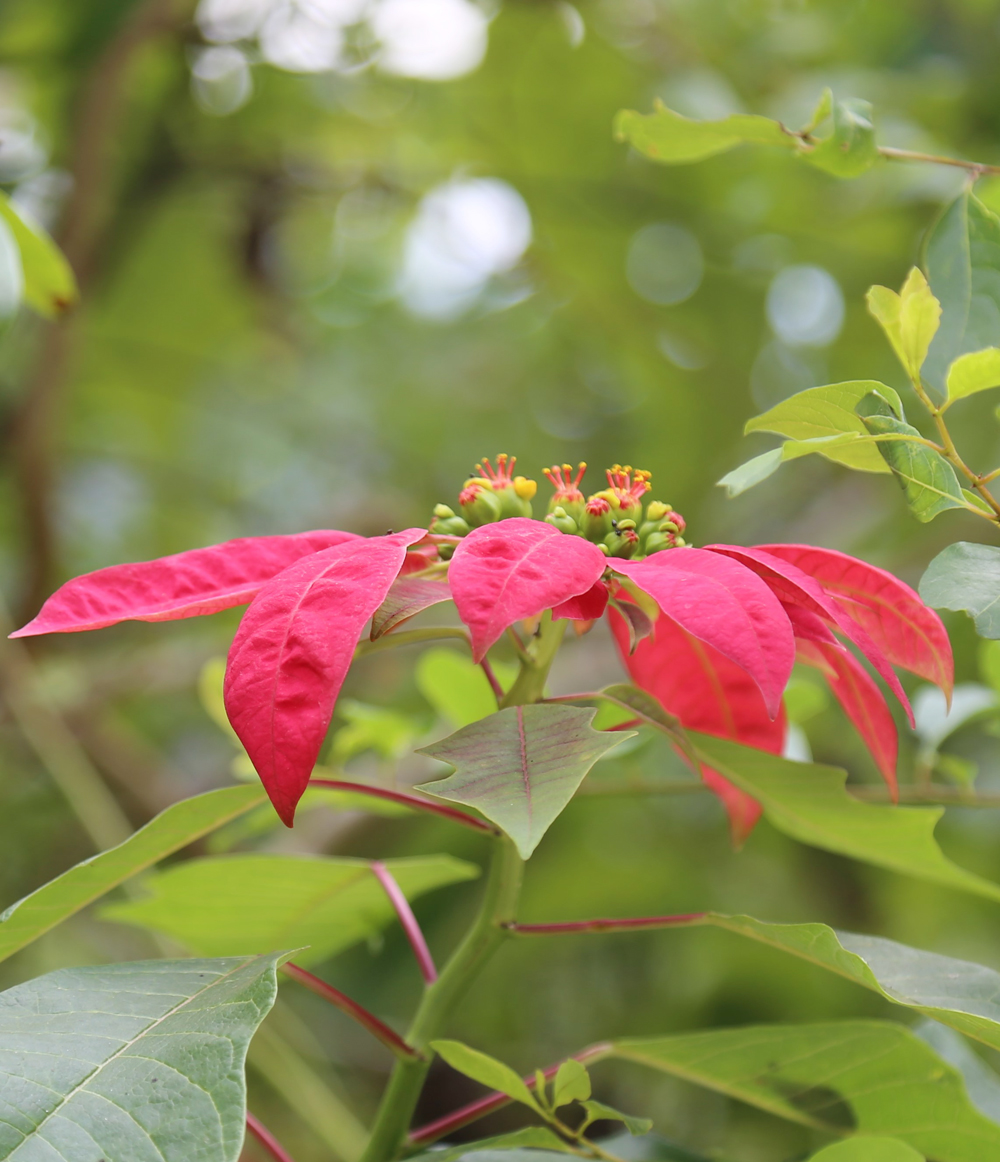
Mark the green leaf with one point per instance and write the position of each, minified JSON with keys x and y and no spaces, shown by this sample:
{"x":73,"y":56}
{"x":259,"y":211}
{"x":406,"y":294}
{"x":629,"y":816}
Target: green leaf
{"x":388,"y":733}
{"x":751,"y":473}
{"x":843,"y":1077}
{"x":572,"y":1083}
{"x":171,"y":830}
{"x":868,"y":1150}
{"x":958,"y":993}
{"x":49,"y":284}
{"x":910,"y":319}
{"x":125,"y":1062}
{"x":966,"y":576}
{"x":486,"y":1070}
{"x":456,"y":687}
{"x":850,"y":150}
{"x":255,"y":903}
{"x":963,"y":265}
{"x":828,"y":411}
{"x":928,"y":481}
{"x":809,"y":802}
{"x":982,"y":1083}
{"x":598,"y":1110}
{"x":972,"y":372}
{"x":519,"y":1146}
{"x":824,"y":107}
{"x":521,"y":766}
{"x":673,"y":139}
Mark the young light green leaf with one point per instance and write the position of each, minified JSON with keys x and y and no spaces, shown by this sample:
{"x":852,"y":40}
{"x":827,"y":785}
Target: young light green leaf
{"x":256,"y":903}
{"x":49,"y":284}
{"x":976,"y":501}
{"x":972,"y":372}
{"x":868,"y":1150}
{"x":928,"y":481}
{"x":572,"y":1083}
{"x":521,"y":766}
{"x":957,"y":993}
{"x":386,"y":732}
{"x":518,"y":1146}
{"x":131,"y":1061}
{"x":598,"y":1111}
{"x":850,"y":149}
{"x":673,"y":139}
{"x":843,"y":1077}
{"x":824,"y":107}
{"x":486,"y":1070}
{"x":910,"y":319}
{"x":753,"y":472}
{"x":829,"y":411}
{"x":810,"y":803}
{"x":966,"y":576}
{"x":963,"y":265}
{"x":456,"y":687}
{"x":171,"y":830}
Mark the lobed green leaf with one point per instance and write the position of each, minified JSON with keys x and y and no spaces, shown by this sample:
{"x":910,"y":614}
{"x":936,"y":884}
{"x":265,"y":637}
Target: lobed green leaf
{"x":966,"y":576}
{"x":673,"y":139}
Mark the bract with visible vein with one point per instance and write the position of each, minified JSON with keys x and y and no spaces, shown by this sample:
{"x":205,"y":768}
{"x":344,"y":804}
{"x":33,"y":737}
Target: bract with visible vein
{"x":292,"y":652}
{"x":407,"y":597}
{"x":517,"y":568}
{"x":185,"y":584}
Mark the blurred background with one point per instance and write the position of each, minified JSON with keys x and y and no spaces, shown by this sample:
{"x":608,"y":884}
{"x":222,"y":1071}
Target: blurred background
{"x":331,"y":253}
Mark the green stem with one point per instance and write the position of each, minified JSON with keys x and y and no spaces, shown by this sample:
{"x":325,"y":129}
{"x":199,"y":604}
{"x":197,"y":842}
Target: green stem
{"x":529,"y":686}
{"x":498,"y":909}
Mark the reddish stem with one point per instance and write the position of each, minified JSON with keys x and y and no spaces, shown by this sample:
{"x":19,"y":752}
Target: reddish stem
{"x":377,"y":1028}
{"x":494,"y":1101}
{"x":493,"y":680}
{"x":626,"y":925}
{"x":407,"y":800}
{"x":267,"y":1139}
{"x":406,"y":917}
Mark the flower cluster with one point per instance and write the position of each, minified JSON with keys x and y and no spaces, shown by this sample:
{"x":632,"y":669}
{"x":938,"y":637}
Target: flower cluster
{"x":612,"y":519}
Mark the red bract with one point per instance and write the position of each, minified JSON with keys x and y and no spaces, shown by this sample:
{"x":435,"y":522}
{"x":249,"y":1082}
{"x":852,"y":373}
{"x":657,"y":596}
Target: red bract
{"x":719,"y":656}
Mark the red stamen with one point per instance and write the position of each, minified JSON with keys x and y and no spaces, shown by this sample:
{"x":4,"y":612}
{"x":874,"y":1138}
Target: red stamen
{"x":562,"y":480}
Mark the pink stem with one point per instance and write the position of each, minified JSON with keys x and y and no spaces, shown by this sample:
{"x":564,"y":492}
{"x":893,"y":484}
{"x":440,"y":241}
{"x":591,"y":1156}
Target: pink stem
{"x":492,"y":679}
{"x":413,"y":801}
{"x":493,"y":1101}
{"x":267,"y":1139}
{"x":626,"y":925}
{"x":406,"y":917}
{"x":343,"y":1002}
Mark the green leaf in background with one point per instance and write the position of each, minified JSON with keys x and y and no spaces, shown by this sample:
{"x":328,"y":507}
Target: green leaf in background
{"x":928,"y":481}
{"x":598,"y":1111}
{"x":457,"y":688}
{"x":844,"y":1077}
{"x":518,"y":1146}
{"x":957,"y":993}
{"x":972,"y":372}
{"x":810,"y":803}
{"x":850,"y":149}
{"x":171,"y":830}
{"x":521,"y":766}
{"x":751,"y":473}
{"x":571,"y":1083}
{"x":235,"y":904}
{"x":673,"y":139}
{"x":828,"y":411}
{"x":131,"y":1061}
{"x":966,"y":576}
{"x":982,"y":1083}
{"x":11,"y":273}
{"x":486,"y":1070}
{"x":963,"y":265}
{"x":868,"y":1150}
{"x":386,"y":732}
{"x":910,"y":319}
{"x":49,"y":284}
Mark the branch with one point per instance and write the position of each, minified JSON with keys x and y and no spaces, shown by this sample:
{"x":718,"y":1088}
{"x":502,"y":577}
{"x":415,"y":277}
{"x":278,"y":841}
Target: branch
{"x":494,"y":1101}
{"x":409,"y":922}
{"x":388,"y":1037}
{"x":406,"y":800}
{"x":632,"y":924}
{"x":976,"y":168}
{"x":267,"y":1139}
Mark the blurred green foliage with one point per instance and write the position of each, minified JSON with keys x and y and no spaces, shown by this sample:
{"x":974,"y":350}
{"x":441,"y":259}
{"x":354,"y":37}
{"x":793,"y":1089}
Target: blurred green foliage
{"x":282,"y":328}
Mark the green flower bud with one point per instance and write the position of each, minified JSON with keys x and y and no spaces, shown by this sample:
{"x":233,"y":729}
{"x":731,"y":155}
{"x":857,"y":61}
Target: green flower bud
{"x":622,"y":542}
{"x":595,"y":524}
{"x":559,"y":518}
{"x":480,"y":504}
{"x":453,"y":526}
{"x":443,"y":512}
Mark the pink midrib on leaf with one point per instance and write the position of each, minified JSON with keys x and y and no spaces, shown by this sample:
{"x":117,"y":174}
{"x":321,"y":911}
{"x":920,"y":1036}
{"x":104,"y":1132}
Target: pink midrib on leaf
{"x":188,"y":584}
{"x":525,"y":776}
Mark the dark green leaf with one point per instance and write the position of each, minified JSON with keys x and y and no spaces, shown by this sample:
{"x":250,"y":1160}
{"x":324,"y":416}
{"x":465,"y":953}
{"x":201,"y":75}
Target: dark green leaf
{"x":597,"y":1110}
{"x":844,"y":1077}
{"x":233,"y":904}
{"x":966,"y":576}
{"x":49,"y":285}
{"x":850,"y":150}
{"x":130,"y":1062}
{"x":671,"y":138}
{"x":809,"y":802}
{"x":486,"y":1070}
{"x":521,"y":766}
{"x":171,"y":830}
{"x":963,"y":265}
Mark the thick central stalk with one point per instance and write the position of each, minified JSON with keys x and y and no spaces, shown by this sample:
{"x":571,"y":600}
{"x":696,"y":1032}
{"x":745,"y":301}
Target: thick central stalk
{"x":497,"y":912}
